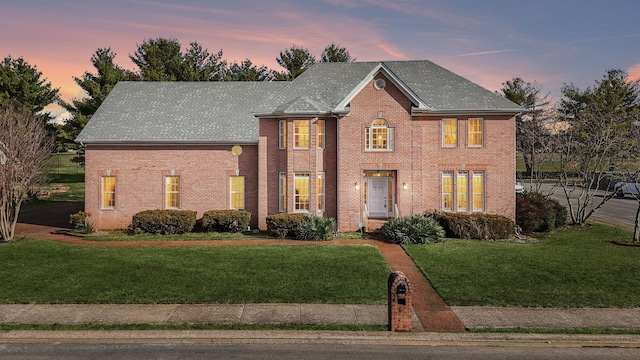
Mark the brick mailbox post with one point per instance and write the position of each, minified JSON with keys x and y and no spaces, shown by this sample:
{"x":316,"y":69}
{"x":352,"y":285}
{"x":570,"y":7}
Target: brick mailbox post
{"x":399,"y":302}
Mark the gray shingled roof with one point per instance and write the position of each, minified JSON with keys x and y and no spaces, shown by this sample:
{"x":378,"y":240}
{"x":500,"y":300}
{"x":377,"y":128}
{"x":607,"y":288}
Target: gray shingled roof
{"x":225,"y":112}
{"x":180,"y":112}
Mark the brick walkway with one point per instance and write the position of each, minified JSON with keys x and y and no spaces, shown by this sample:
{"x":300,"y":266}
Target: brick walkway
{"x":434,"y":314}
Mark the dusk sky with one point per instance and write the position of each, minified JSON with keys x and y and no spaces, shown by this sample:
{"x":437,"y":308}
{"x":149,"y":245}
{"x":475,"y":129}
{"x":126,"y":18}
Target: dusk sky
{"x":489,"y":42}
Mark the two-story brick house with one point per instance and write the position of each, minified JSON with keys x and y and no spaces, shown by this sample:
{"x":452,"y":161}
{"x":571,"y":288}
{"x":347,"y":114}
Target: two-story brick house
{"x":353,"y":141}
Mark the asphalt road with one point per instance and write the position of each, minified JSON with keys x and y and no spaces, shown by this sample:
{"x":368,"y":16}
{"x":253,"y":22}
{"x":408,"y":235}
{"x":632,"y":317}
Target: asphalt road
{"x":616,"y":211}
{"x":178,"y":350}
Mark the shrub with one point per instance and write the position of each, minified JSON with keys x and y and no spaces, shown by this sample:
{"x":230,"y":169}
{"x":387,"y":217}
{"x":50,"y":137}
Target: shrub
{"x":225,"y":220}
{"x":283,"y":225}
{"x":163,"y":222}
{"x":477,"y":226}
{"x":414,"y":229}
{"x":81,"y":222}
{"x":316,"y":228}
{"x":538,"y":213}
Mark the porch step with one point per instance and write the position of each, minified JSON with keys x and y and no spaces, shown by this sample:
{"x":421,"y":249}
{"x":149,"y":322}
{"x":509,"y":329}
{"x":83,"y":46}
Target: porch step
{"x":375,"y":224}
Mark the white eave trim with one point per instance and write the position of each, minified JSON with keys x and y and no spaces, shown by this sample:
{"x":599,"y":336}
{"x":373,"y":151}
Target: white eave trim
{"x":419,"y":111}
{"x":380,"y":68}
{"x":165,"y":143}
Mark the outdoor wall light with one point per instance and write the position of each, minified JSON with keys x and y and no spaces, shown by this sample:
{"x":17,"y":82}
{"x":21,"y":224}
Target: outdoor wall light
{"x":405,"y":186}
{"x":356,"y":185}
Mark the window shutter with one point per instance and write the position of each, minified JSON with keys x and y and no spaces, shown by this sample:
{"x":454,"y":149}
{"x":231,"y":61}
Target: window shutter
{"x":392,"y":138}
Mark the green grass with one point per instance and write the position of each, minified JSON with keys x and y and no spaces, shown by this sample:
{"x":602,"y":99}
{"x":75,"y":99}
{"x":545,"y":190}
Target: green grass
{"x":48,"y":272}
{"x":572,"y":267}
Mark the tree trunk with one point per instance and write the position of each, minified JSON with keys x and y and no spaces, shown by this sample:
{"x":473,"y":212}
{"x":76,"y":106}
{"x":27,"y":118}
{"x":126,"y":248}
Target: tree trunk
{"x":636,"y":229}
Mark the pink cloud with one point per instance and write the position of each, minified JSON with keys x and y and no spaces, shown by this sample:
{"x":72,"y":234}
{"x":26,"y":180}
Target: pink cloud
{"x":634,"y":72}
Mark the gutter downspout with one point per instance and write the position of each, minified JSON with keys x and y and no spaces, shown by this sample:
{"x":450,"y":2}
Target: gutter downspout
{"x":337,"y":169}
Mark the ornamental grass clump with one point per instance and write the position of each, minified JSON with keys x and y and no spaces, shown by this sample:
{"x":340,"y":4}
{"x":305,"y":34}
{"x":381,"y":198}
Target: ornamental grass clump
{"x":414,"y":229}
{"x":316,"y":228}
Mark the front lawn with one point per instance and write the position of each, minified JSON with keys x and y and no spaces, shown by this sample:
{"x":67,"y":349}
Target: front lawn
{"x":572,"y":267}
{"x":47,"y":272}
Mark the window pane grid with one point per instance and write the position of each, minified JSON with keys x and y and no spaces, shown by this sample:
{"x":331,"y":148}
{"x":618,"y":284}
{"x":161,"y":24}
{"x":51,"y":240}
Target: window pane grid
{"x":321,"y":192}
{"x":450,"y":132}
{"x":282,"y":203}
{"x":462,"y":189}
{"x":379,"y":136}
{"x":321,"y":134}
{"x":301,"y":200}
{"x":478,"y":191}
{"x":108,"y":192}
{"x":447,"y":191}
{"x":237,"y":192}
{"x":301,"y":133}
{"x":172,"y":192}
{"x":282,"y":139}
{"x":475,"y":132}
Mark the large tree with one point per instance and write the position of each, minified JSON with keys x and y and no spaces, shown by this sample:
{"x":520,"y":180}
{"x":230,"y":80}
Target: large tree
{"x":336,"y":53}
{"x":25,"y":144}
{"x":600,"y":137}
{"x":246,"y":71}
{"x":162,"y":60}
{"x":97,"y":86}
{"x":22,"y":85}
{"x":295,"y":60}
{"x":533,"y":139}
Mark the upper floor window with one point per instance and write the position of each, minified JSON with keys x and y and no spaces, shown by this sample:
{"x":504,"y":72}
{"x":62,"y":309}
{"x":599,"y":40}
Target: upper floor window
{"x":379,"y":136}
{"x":282,"y":134}
{"x":108,"y":192}
{"x":321,"y":134}
{"x":172,"y":192}
{"x":449,"y":132}
{"x":237,"y":192}
{"x":476,"y":132}
{"x":301,"y":134}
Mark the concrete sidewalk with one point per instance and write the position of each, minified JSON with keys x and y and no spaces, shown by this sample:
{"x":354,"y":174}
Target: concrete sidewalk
{"x":470,"y":316}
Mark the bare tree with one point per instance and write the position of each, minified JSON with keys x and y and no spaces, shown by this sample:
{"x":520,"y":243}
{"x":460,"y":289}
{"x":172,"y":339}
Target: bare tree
{"x":25,"y":145}
{"x":600,"y":137}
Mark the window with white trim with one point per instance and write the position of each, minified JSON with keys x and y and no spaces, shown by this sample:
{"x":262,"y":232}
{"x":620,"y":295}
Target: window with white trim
{"x":172,"y":192}
{"x":301,"y":134}
{"x":282,"y":134}
{"x":447,"y":190}
{"x":108,"y":192}
{"x":449,"y":132}
{"x":301,"y":192}
{"x":321,"y":190}
{"x":236,"y":188}
{"x":282,"y":192}
{"x":462,"y":190}
{"x":478,"y":191}
{"x":476,"y":132}
{"x":321,"y":133}
{"x":379,"y":136}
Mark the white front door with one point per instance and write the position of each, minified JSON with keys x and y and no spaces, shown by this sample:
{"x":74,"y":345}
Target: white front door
{"x":377,"y":196}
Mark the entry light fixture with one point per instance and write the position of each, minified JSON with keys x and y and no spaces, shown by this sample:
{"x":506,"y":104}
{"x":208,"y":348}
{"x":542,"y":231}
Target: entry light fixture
{"x":356,"y":185}
{"x":404,"y":186}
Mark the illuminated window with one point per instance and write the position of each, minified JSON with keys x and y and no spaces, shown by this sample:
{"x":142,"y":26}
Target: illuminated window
{"x":282,"y":198}
{"x":449,"y":132}
{"x":476,"y":130}
{"x":462,"y":188}
{"x":237,"y":192}
{"x":282,"y":136}
{"x":302,"y":196}
{"x":321,"y":134}
{"x":321,"y":192}
{"x":172,"y":192}
{"x":301,"y":134}
{"x":379,"y":136}
{"x":478,"y":191}
{"x":108,"y":192}
{"x":447,"y":191}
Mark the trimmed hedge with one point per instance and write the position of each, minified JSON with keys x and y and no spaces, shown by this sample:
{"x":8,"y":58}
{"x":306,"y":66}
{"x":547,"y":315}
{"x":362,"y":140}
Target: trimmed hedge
{"x":414,"y":229}
{"x":163,"y":222}
{"x":476,"y":226}
{"x":538,"y":213}
{"x":284,"y":225}
{"x":225,"y":220}
{"x":316,"y":228}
